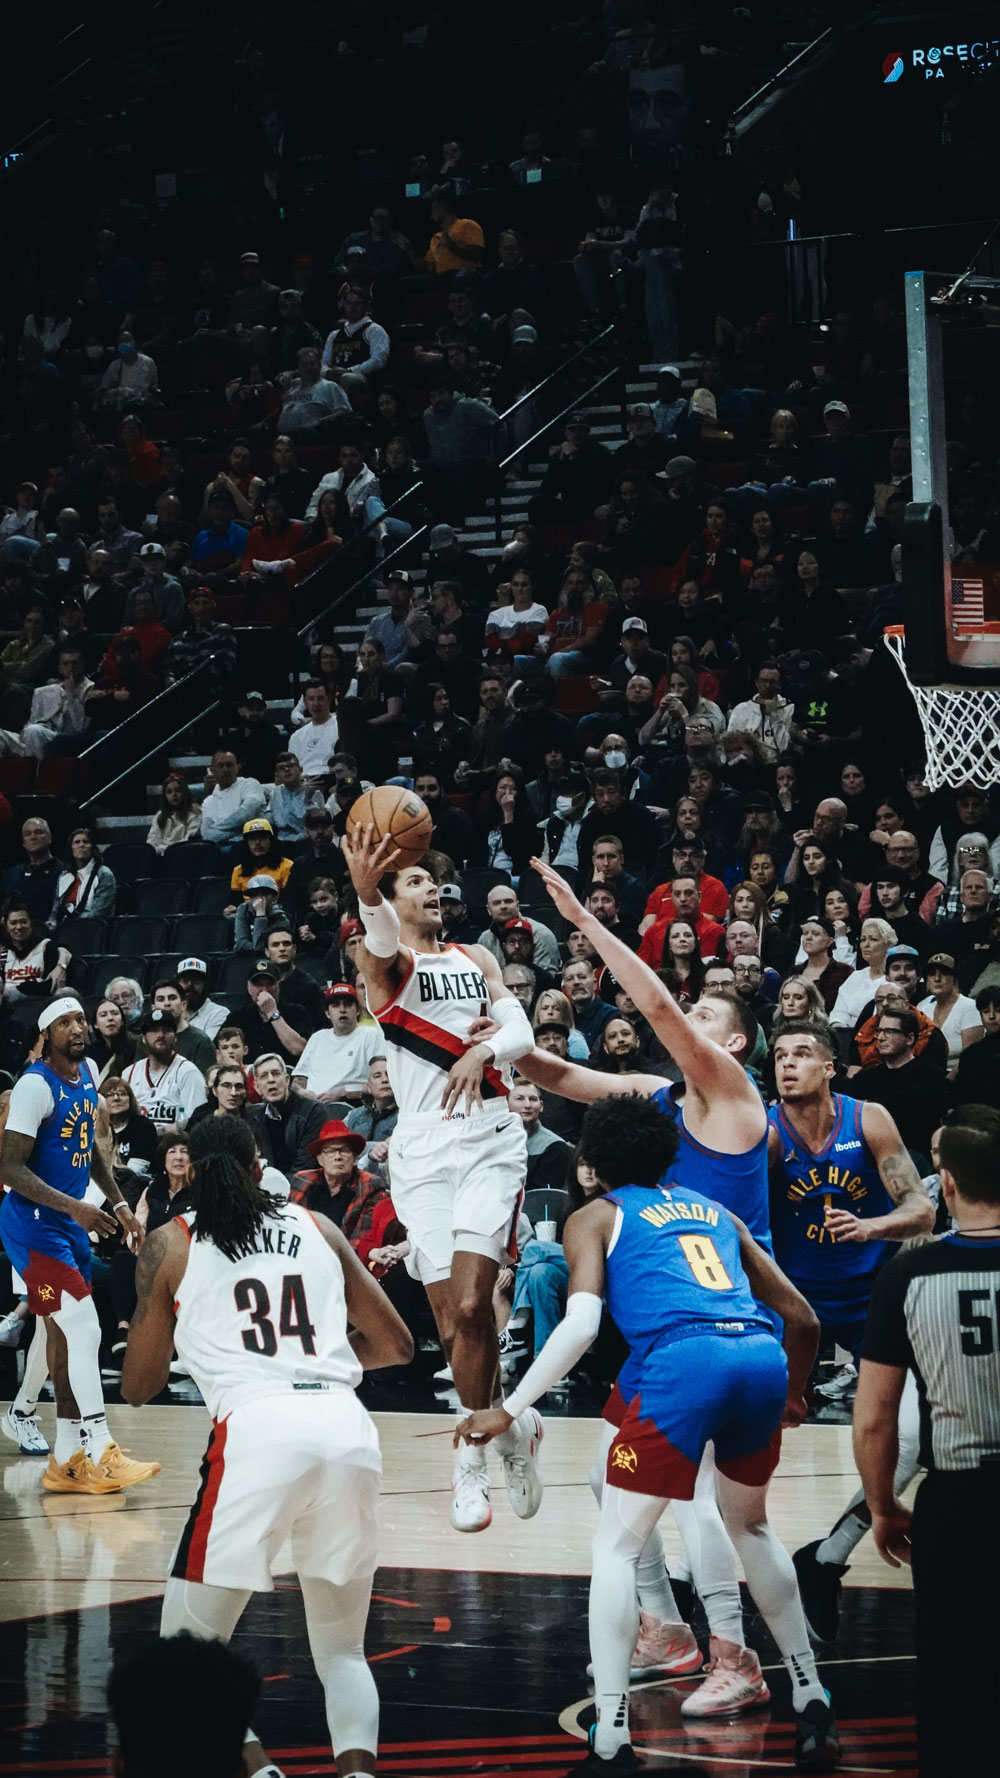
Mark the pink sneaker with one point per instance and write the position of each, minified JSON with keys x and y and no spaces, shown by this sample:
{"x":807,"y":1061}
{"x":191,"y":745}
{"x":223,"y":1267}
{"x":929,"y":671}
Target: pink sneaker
{"x":664,"y":1648}
{"x":734,"y":1682}
{"x":661,"y":1648}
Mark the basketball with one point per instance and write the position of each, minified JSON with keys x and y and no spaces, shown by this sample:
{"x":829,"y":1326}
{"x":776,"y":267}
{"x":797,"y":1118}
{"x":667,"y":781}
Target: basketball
{"x":395,"y":810}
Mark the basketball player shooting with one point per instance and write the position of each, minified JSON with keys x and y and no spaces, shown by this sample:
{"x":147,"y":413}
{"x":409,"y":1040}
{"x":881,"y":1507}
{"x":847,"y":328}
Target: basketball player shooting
{"x":457,"y":1155}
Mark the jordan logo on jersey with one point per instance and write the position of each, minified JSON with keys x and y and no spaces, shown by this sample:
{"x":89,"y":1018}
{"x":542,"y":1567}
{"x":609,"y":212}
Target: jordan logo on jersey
{"x":466,"y":984}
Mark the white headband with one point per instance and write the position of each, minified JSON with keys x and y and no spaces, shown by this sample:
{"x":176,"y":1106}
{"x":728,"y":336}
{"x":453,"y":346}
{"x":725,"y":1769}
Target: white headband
{"x":57,"y":1011}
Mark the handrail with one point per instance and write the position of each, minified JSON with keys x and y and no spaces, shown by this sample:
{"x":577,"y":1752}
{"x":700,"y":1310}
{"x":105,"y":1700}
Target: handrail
{"x":137,"y":764}
{"x":570,"y":407}
{"x":121,"y":728}
{"x":742,"y":111}
{"x":579,"y":353}
{"x":314,"y":622}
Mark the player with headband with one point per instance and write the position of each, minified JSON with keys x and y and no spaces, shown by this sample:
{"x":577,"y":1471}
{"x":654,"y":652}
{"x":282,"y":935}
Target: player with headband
{"x":48,"y":1155}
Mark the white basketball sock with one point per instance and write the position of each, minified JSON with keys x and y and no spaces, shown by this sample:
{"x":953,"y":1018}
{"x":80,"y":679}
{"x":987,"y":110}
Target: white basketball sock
{"x":806,"y":1686}
{"x":96,"y":1436}
{"x":69,"y":1440}
{"x":656,"y":1595}
{"x":36,"y":1369}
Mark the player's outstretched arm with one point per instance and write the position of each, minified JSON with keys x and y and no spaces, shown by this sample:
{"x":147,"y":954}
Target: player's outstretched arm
{"x":158,"y":1271}
{"x":380,"y":1337}
{"x":368,"y":860}
{"x":708,"y":1071}
{"x":585,"y":1244}
{"x":914,"y":1212}
{"x":572,"y":1081}
{"x":801,"y":1326}
{"x":876,"y":1453}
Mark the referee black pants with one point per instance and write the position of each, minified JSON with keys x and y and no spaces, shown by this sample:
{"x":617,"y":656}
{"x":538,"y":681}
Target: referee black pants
{"x":956,"y":1585}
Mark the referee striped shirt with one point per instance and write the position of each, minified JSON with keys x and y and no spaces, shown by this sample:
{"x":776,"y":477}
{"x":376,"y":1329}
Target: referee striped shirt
{"x":935,"y":1310}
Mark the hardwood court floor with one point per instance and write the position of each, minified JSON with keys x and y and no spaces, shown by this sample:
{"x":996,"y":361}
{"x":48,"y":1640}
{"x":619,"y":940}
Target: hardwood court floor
{"x":479,"y":1641}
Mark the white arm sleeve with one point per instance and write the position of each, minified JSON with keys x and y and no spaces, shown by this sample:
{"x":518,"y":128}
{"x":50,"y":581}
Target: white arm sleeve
{"x":516,"y":1037}
{"x":564,"y":1348}
{"x":381,"y":926}
{"x":31,"y":1102}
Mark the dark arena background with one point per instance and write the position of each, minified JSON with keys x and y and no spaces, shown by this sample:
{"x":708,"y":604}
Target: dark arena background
{"x":528,"y":408}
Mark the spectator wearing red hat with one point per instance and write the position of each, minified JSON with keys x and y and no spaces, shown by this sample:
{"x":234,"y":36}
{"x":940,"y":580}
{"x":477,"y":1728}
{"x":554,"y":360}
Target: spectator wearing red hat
{"x":358,"y":1202}
{"x":334,"y":1064}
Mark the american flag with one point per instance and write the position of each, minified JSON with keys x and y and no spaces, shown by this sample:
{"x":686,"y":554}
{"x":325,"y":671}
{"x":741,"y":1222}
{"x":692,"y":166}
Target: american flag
{"x":968,"y":617}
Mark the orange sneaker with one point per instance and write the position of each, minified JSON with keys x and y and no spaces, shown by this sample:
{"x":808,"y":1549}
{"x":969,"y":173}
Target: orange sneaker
{"x":118,"y":1466}
{"x":78,"y":1476}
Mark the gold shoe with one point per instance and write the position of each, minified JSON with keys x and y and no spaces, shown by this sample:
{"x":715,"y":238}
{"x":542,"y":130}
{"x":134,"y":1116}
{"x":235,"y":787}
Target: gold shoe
{"x":79,"y":1476}
{"x":118,"y":1466}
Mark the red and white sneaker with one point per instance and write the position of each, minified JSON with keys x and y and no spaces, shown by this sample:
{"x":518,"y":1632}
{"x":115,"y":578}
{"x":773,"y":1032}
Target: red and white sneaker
{"x":734,"y":1682}
{"x":661,"y":1648}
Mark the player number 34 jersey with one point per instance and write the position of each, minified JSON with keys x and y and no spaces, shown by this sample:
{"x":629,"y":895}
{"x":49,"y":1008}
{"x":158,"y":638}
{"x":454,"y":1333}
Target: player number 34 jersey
{"x":270,"y":1323}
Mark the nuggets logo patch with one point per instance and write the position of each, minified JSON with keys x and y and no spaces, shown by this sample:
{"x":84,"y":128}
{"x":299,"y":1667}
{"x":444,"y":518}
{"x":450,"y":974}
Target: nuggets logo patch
{"x":46,"y":1293}
{"x":623,"y":1457}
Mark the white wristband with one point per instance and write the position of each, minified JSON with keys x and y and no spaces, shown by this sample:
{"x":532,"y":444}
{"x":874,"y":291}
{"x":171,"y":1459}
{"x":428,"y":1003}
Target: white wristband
{"x":381,"y":926}
{"x":515,"y":1038}
{"x":564,"y":1348}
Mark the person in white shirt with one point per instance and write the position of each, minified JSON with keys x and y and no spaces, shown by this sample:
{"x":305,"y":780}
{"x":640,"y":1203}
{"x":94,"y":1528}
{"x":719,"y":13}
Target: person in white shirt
{"x":230,"y":801}
{"x":953,"y":1013}
{"x":353,"y":479}
{"x":767,"y":715}
{"x":334,"y":1063}
{"x":57,"y":709}
{"x":203,"y":1014}
{"x":524,"y":613}
{"x":854,"y":994}
{"x":167,"y":1088}
{"x":316,"y":740}
{"x":130,"y":380}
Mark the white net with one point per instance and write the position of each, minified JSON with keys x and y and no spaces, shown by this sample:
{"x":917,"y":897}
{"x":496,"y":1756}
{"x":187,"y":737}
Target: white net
{"x":961,"y":725}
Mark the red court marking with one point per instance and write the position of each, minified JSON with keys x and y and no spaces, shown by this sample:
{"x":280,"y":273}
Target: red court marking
{"x":391,"y":1653}
{"x":383,"y":1599}
{"x":268,"y":1677}
{"x":441,"y":1625}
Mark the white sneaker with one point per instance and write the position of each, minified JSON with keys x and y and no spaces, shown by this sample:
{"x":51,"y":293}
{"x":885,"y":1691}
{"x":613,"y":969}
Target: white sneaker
{"x":444,"y":1375}
{"x":843,"y":1383}
{"x":11,"y":1329}
{"x":470,"y":1496}
{"x":518,"y":1450}
{"x":24,"y":1431}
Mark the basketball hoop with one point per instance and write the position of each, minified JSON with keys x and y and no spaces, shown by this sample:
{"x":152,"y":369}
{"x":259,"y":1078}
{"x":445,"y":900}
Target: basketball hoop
{"x":961,"y":725}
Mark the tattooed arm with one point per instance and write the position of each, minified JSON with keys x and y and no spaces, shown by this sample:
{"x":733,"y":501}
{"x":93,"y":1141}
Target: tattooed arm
{"x":914,"y":1212}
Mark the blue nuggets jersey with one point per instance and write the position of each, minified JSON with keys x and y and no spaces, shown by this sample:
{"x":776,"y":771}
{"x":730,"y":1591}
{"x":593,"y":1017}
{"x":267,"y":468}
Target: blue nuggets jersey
{"x":64,"y":1145}
{"x":674,"y":1269}
{"x":737,"y":1181}
{"x":843,"y":1176}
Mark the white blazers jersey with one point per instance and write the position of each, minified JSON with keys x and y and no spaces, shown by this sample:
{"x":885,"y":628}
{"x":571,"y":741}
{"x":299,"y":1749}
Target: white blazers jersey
{"x":426,"y":1028}
{"x":268,"y":1324}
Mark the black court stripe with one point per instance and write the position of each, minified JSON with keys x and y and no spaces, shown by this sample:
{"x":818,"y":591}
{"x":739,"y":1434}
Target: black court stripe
{"x":431,"y":1052}
{"x":179,"y":1569}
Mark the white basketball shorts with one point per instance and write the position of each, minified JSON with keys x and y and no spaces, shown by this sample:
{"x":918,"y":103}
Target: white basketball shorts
{"x":305,"y":1466}
{"x":456,"y":1185}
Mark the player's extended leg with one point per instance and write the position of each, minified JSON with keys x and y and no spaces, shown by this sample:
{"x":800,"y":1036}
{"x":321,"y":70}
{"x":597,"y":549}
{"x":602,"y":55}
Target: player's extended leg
{"x":19,"y":1422}
{"x":821,"y":1566}
{"x":710,"y":1553}
{"x":657,"y":1648}
{"x":770,"y":1576}
{"x":73,"y":1348}
{"x":192,"y":1608}
{"x":336,"y":1617}
{"x":627,"y":1522}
